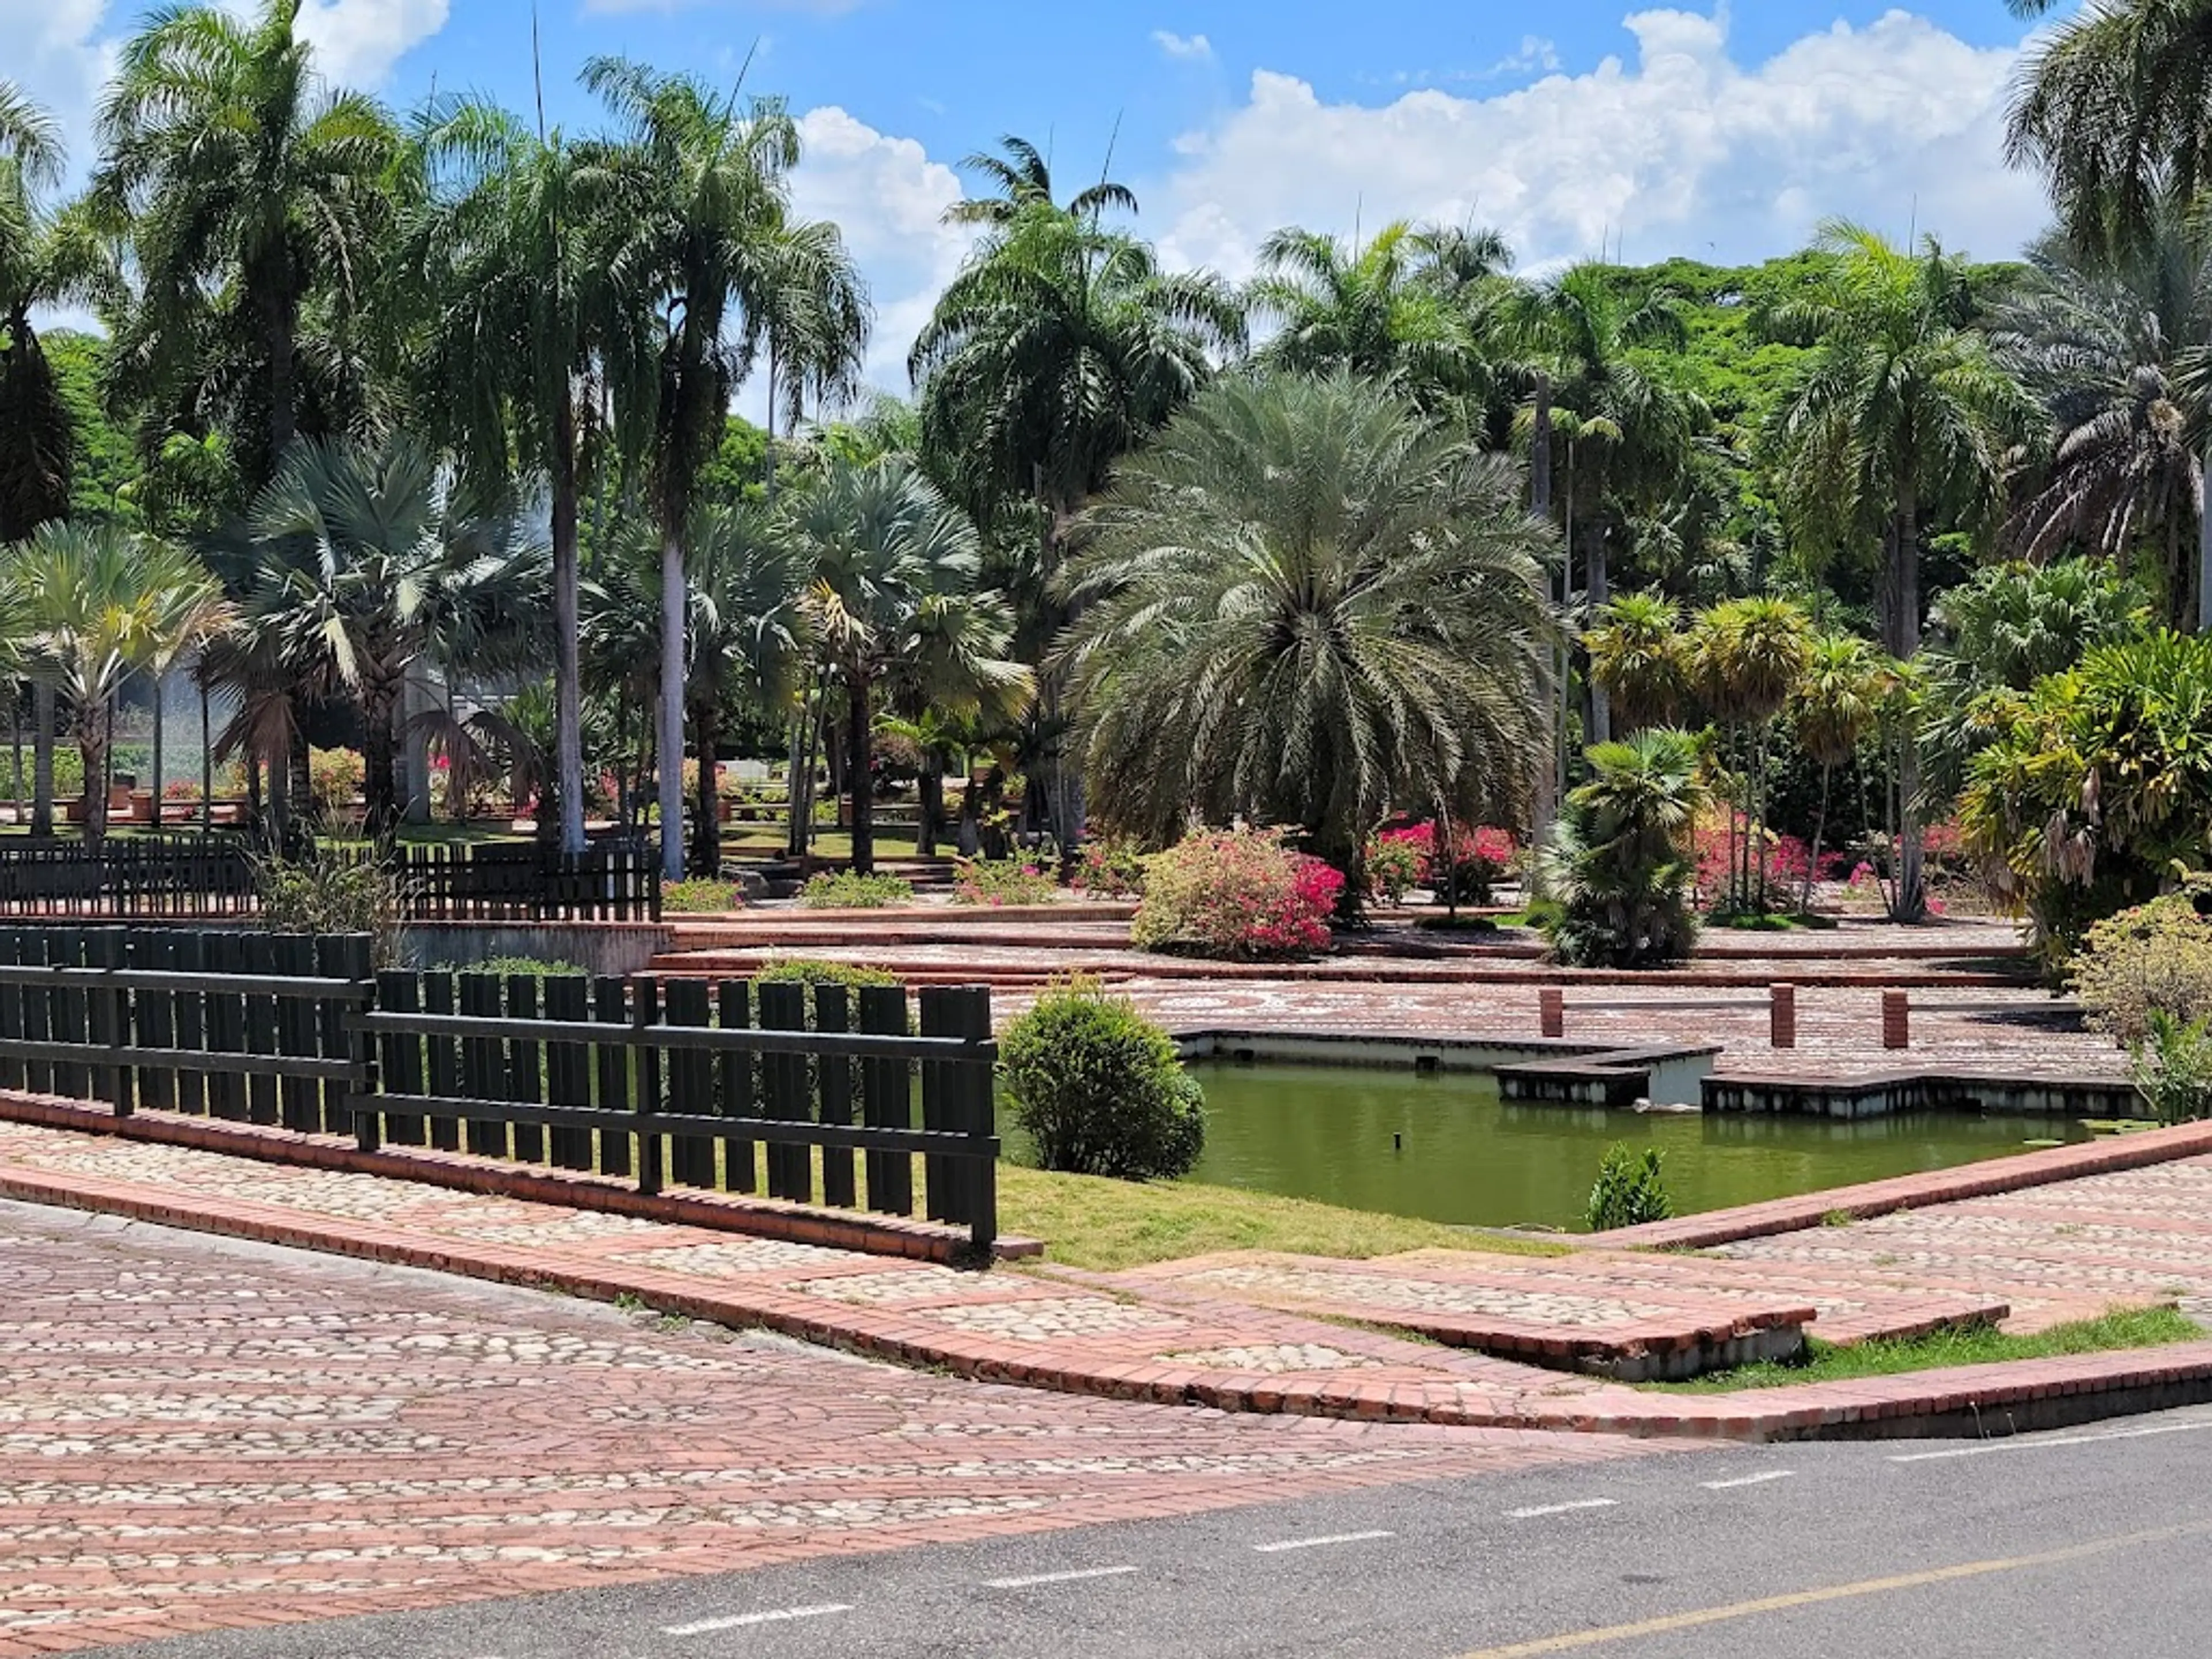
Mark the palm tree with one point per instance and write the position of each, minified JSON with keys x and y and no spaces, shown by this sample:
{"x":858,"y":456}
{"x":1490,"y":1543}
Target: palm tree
{"x":1371,"y":310}
{"x":813,"y":318}
{"x":1747,"y":656}
{"x":707,"y":204}
{"x":1831,"y":708}
{"x":1618,"y":866}
{"x":1024,"y":177}
{"x":2118,"y":351}
{"x":1638,"y":654}
{"x":1306,"y":606}
{"x":510,"y":241}
{"x":96,"y":604}
{"x":1900,"y":412}
{"x":369,"y":564}
{"x":236,"y":174}
{"x":891,"y":570}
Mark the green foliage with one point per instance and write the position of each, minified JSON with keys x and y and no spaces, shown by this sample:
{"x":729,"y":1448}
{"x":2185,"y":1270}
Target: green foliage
{"x":1236,"y":895}
{"x":518,"y":968}
{"x":701,"y":897}
{"x":1004,"y":881}
{"x":1099,"y":1090}
{"x":810,"y":970}
{"x":1113,"y":867}
{"x":2151,"y":960}
{"x":843,"y":890}
{"x":1393,"y":868}
{"x":1619,"y":870}
{"x":1630,"y":1189}
{"x":326,"y":892}
{"x":2172,"y":1068}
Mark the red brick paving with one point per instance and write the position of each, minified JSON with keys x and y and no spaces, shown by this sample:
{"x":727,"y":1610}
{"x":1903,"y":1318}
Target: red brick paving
{"x":198,"y":1435}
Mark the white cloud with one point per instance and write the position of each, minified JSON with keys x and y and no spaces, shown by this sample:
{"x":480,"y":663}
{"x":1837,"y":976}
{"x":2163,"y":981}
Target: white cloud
{"x":1536,"y":53}
{"x":1189,"y":48}
{"x":357,"y":41}
{"x":57,"y":57}
{"x":890,"y":199}
{"x":1684,"y":150}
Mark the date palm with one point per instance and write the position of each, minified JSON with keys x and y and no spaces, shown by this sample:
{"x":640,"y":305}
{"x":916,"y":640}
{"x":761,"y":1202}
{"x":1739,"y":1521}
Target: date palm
{"x":892,"y":593}
{"x":235,"y":172}
{"x":1306,"y":606}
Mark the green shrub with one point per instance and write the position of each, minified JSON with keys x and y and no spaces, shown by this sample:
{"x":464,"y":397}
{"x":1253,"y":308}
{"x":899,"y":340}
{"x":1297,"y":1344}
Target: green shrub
{"x":841,"y":890}
{"x":1004,"y":881}
{"x":1111,"y":869}
{"x":1619,"y":869}
{"x":1630,"y":1189}
{"x":517,"y":967}
{"x":1395,"y":868}
{"x":327,"y":893}
{"x":1099,"y":1090}
{"x":2154,"y":959}
{"x":812,"y":970}
{"x":700,"y":897}
{"x":2174,"y":1068}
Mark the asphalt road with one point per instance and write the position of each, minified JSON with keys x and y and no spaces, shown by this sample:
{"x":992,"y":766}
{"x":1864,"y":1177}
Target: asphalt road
{"x":2093,"y":1542}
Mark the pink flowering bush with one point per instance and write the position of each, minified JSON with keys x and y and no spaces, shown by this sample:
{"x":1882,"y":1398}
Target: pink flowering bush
{"x":1482,"y":857}
{"x":996,"y":882}
{"x":1786,"y":857}
{"x":1111,"y":869}
{"x":1238,"y":896}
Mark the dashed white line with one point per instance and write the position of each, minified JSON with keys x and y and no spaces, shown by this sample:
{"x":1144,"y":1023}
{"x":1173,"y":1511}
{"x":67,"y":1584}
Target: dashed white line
{"x":1074,"y":1577}
{"x":1747,"y":1480}
{"x":2044,"y":1442}
{"x":738,"y":1620}
{"x":1281,"y":1545}
{"x":1561,"y":1509}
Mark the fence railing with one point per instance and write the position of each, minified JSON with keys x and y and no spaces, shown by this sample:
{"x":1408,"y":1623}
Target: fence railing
{"x":210,"y":877}
{"x":805,"y":1096}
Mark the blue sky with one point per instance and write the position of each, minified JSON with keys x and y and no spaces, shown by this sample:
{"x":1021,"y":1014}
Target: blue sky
{"x":1717,"y":131}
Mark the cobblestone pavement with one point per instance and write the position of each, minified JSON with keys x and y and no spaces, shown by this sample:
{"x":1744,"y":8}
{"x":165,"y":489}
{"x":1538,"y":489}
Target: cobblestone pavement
{"x":2136,"y":1234}
{"x":199,"y":1434}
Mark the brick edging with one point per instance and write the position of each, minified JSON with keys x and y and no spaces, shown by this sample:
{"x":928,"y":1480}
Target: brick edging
{"x":895,"y":1236}
{"x":1876,"y":1198}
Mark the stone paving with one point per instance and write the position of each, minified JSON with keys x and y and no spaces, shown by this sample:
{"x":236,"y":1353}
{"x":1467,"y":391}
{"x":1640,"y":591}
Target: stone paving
{"x":198,"y":1435}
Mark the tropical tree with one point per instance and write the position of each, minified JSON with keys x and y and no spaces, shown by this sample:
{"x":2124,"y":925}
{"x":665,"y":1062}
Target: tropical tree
{"x":370,"y":563}
{"x":1306,"y":606}
{"x":707,"y":209}
{"x":890,"y":570}
{"x":1900,"y":415}
{"x":94,"y":604}
{"x":1024,"y":178}
{"x":1832,"y":709}
{"x":1638,"y":655}
{"x":1747,"y":656}
{"x":249,"y":193}
{"x":1617,"y":868}
{"x":813,"y":320}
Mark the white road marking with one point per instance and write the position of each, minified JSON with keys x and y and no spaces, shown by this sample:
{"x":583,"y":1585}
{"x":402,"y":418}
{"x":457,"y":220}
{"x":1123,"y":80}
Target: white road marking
{"x":736,"y":1620}
{"x":2042,"y":1443}
{"x":1075,"y":1576}
{"x":1281,"y":1545}
{"x":1561,"y":1509}
{"x":1747,"y":1480}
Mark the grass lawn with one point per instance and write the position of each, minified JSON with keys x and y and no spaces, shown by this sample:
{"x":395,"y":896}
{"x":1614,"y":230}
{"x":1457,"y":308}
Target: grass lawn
{"x":1826,"y":1363}
{"x":1089,"y":1222}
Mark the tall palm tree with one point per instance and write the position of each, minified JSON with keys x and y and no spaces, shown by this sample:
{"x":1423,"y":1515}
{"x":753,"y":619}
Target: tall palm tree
{"x":1307,"y":605}
{"x":1748,"y":655}
{"x":1638,"y":654}
{"x":236,"y":174}
{"x":1834,"y":705}
{"x":708,"y":200}
{"x":1900,"y":413}
{"x":1024,"y":178}
{"x":370,"y":563}
{"x":509,"y":240}
{"x":891,"y":591}
{"x":2118,"y":348}
{"x":1372,"y":311}
{"x":95,"y":605}
{"x":812,"y":318}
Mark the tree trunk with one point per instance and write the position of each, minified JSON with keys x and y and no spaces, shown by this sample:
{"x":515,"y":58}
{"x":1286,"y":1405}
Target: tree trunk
{"x":970,"y":831}
{"x":799,"y":777}
{"x":207,"y":762}
{"x":671,"y":757}
{"x":158,"y":677}
{"x":379,"y":754}
{"x":858,"y":755}
{"x":92,"y":749}
{"x":1900,"y":626}
{"x":931,"y":788}
{"x":706,"y":820}
{"x":2204,"y":554}
{"x":42,"y":757}
{"x":1819,"y":834}
{"x":279,"y":326}
{"x":16,"y":744}
{"x":568,"y":664}
{"x":1599,"y":581}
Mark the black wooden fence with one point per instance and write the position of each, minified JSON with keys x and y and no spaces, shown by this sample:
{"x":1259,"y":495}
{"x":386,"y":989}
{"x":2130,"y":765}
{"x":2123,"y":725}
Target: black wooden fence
{"x":805,"y":1096}
{"x":210,"y":876}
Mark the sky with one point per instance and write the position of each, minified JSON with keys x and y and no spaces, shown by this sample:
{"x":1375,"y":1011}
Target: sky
{"x":1720,"y":131}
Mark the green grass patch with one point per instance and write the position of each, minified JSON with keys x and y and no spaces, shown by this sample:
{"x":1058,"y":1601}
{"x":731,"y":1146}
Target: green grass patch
{"x":1088,"y":1221}
{"x":1824,"y":1361}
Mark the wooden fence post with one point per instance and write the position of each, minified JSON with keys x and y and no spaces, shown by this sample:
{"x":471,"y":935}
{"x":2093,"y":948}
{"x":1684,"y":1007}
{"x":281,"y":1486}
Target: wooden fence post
{"x":1551,"y":1011}
{"x":1781,"y":1016}
{"x":1896,"y":1019}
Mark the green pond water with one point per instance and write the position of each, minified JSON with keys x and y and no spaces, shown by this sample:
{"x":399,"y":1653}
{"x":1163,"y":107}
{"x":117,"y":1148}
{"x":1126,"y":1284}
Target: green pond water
{"x":1447,"y":1148}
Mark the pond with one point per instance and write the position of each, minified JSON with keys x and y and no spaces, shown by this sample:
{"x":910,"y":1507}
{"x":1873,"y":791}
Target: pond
{"x":1446,"y":1147}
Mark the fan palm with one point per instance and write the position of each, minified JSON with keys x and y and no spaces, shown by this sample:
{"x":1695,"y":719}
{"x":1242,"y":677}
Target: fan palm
{"x":1305,"y":606}
{"x":891,"y":591}
{"x":1618,"y":866}
{"x":1899,"y":411}
{"x":1637,"y":653}
{"x":235,"y":172}
{"x":95,"y":605}
{"x":369,"y":564}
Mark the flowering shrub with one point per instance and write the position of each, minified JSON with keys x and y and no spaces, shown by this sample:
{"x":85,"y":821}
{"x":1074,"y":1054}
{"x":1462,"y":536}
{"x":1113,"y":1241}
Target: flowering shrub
{"x":1236,"y":894}
{"x":1004,"y":881}
{"x":2154,"y":959}
{"x":1481,"y":859}
{"x":1394,"y":867}
{"x":841,"y":889}
{"x":1111,"y":869}
{"x":1786,"y":859}
{"x":700,"y":897}
{"x":181,"y":789}
{"x":336,"y":775}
